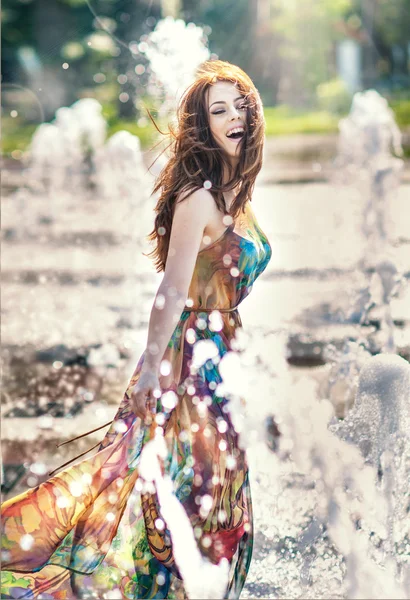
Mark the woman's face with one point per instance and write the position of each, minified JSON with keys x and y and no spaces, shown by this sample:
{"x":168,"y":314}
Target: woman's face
{"x":227,"y":116}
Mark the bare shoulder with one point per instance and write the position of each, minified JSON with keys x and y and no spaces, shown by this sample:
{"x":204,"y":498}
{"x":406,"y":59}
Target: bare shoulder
{"x":199,"y":204}
{"x":201,"y":195}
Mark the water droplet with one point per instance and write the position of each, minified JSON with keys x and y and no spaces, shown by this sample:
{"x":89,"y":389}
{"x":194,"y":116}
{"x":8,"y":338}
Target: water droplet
{"x":215,"y":321}
{"x":230,"y":462}
{"x":169,"y":400}
{"x":223,"y":445}
{"x":190,"y":336}
{"x":26,"y":542}
{"x":38,"y":468}
{"x":222,"y":516}
{"x":183,"y":436}
{"x":201,"y":323}
{"x":198,"y":481}
{"x":86,"y":478}
{"x":120,"y":426}
{"x":62,"y":502}
{"x":160,"y":301}
{"x":222,"y":426}
{"x":76,"y":489}
{"x":160,"y":418}
{"x":165,"y":367}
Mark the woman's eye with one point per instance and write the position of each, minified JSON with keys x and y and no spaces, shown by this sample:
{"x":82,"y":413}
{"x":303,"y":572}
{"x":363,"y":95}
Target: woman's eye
{"x":219,"y":112}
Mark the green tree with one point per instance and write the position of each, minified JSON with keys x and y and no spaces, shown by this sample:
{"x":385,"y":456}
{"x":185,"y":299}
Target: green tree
{"x":307,"y":30}
{"x":386,"y":25}
{"x":231,"y":24}
{"x":53,"y":33}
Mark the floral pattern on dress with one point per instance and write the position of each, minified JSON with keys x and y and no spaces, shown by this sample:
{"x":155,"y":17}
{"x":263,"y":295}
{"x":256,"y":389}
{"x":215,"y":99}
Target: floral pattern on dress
{"x":92,"y":526}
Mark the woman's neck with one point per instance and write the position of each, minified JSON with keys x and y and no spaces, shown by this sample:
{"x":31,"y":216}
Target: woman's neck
{"x":230,"y":195}
{"x":227,"y":172}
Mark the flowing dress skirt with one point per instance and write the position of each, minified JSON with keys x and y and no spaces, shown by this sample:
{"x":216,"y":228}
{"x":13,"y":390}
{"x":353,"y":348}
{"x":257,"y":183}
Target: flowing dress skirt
{"x":95,"y":529}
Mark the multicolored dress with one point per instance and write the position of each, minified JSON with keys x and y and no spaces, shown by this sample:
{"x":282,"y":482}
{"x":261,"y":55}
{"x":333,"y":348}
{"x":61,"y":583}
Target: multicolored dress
{"x":93,"y":530}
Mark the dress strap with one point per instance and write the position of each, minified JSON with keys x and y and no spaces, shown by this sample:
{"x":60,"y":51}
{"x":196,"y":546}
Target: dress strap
{"x":73,"y":459}
{"x":78,"y":437}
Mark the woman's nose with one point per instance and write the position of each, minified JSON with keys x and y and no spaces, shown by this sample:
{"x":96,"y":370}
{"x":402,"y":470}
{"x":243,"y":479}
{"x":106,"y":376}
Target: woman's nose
{"x":234,"y":113}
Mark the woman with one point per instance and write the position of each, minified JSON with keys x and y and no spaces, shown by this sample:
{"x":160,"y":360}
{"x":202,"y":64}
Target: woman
{"x":96,"y":526}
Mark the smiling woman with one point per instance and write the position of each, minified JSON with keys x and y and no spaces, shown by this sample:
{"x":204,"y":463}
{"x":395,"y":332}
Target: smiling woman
{"x":227,"y":118}
{"x":204,"y":155}
{"x":98,"y":528}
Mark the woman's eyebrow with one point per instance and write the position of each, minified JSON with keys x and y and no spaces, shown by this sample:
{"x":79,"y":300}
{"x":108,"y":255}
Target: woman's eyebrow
{"x":223,"y":101}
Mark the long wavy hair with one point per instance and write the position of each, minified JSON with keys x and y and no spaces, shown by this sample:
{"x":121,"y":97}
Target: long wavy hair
{"x":195,"y":156}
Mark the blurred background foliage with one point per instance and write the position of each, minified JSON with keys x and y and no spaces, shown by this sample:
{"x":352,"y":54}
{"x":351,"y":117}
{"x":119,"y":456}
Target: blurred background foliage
{"x":307,"y":57}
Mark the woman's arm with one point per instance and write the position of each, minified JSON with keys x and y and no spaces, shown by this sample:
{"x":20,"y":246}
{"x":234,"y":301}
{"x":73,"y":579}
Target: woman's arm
{"x":189,"y":221}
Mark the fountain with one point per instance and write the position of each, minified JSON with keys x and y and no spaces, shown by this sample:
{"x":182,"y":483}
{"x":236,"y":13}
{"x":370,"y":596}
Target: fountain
{"x":326,"y":500}
{"x":89,"y":196}
{"x":172,"y":67}
{"x":61,"y":152}
{"x":362,"y":518}
{"x":367,"y":137}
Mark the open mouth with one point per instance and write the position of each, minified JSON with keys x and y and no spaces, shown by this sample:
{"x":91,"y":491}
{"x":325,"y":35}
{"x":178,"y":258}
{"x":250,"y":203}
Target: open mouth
{"x":236,"y":134}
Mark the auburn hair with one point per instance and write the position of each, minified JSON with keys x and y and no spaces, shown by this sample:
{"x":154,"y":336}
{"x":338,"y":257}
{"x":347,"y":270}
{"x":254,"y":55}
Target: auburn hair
{"x":195,"y":157}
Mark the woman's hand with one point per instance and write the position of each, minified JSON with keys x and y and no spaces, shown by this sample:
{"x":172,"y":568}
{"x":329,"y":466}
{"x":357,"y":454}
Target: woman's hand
{"x":144,"y":395}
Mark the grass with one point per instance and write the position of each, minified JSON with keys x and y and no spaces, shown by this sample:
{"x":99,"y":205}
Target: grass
{"x":280,"y":120}
{"x":16,"y":134}
{"x":401,"y":112}
{"x":147,"y":135}
{"x":283,"y":120}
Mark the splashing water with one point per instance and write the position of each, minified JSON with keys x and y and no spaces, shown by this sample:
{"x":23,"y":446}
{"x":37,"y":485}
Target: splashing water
{"x":61,"y":152}
{"x":350,"y":509}
{"x":171,"y":65}
{"x":367,"y":138}
{"x":76,"y":184}
{"x":119,"y":167}
{"x":379,"y":424}
{"x":202,"y":579}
